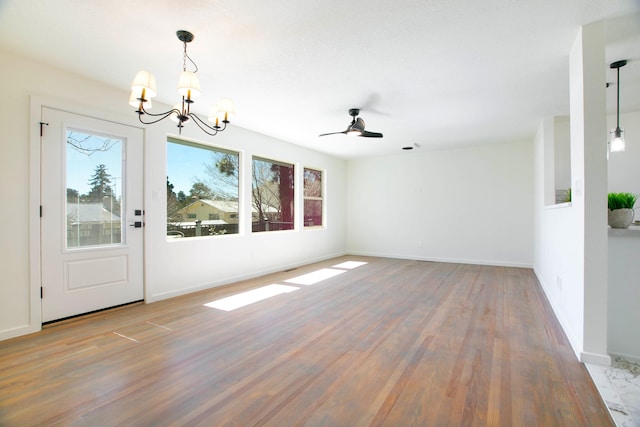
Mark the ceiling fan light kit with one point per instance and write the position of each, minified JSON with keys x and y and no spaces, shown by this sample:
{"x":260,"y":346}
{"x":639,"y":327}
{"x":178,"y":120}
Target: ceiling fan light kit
{"x":143,"y":89}
{"x":356,"y":127}
{"x":616,"y":136}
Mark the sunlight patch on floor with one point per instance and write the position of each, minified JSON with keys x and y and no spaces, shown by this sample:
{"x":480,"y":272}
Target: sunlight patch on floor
{"x":350,"y":265}
{"x":315,"y":276}
{"x":249,"y":297}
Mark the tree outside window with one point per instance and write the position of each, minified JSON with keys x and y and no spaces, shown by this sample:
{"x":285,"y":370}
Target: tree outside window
{"x":202,"y":190}
{"x":272,"y":191}
{"x":312,"y":198}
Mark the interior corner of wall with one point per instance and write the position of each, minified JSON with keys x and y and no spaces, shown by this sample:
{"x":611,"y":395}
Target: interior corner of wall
{"x":574,"y":341}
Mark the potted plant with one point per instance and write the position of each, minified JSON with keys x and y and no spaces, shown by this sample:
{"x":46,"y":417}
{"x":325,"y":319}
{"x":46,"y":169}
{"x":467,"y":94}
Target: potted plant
{"x":621,"y":209}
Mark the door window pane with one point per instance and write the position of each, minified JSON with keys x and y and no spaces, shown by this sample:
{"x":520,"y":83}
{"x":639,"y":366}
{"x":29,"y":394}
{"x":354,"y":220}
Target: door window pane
{"x":271,"y":195}
{"x":94,"y":189}
{"x":202,"y":190}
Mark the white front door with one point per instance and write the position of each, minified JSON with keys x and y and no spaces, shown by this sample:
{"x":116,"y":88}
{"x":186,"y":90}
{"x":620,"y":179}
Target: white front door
{"x":92,"y":214}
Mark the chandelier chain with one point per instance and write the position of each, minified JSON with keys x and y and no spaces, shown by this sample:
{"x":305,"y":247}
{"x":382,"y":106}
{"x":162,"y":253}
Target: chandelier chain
{"x":186,"y":56}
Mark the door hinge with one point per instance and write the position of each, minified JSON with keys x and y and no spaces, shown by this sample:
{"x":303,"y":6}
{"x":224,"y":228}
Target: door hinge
{"x":40,"y":211}
{"x":41,"y":292}
{"x":42,"y":125}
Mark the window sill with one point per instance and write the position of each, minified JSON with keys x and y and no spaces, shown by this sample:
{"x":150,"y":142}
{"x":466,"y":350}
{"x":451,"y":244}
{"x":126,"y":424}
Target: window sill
{"x":558,"y":206}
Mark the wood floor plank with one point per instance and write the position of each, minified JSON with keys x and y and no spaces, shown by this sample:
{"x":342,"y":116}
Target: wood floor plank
{"x":389,"y":343}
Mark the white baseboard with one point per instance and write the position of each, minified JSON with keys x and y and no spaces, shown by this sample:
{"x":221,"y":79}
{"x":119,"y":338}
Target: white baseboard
{"x":18,"y":331}
{"x":634,"y":358}
{"x":576,"y":344}
{"x":495,"y":263}
{"x":238,"y":278}
{"x":595,"y":359}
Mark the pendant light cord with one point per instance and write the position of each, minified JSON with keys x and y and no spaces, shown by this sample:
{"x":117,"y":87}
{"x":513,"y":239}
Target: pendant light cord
{"x":618,"y":101}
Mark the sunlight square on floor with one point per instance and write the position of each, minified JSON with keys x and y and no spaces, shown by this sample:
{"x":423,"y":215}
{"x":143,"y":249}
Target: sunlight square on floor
{"x":350,"y":265}
{"x":249,"y":297}
{"x":315,"y":276}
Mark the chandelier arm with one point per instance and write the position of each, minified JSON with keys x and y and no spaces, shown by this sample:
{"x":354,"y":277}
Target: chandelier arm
{"x":203,"y":126}
{"x":166,"y":113}
{"x":161,"y":115}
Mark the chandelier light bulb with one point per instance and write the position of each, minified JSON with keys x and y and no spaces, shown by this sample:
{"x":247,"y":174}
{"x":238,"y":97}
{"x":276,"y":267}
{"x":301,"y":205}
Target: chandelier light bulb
{"x":134,"y":100}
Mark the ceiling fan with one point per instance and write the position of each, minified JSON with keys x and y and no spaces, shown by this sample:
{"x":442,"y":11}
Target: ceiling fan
{"x":356,"y":127}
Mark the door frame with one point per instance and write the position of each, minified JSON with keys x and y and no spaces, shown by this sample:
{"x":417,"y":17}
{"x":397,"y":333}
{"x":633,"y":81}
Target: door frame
{"x":35,"y":177}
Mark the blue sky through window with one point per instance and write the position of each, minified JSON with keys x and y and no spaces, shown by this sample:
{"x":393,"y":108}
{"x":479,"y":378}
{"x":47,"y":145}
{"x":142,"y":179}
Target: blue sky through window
{"x":85,"y":152}
{"x":187,"y":164}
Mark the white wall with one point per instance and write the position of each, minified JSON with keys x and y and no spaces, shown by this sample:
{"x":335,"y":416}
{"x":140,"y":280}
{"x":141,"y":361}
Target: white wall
{"x":592,"y":123}
{"x":197,"y":263}
{"x":172,"y":267}
{"x":558,"y":257}
{"x":571,"y":241}
{"x":624,"y":246}
{"x":472,"y":205}
{"x":624,"y":293}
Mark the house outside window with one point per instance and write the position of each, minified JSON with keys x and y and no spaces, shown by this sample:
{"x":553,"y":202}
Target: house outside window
{"x":202,"y":190}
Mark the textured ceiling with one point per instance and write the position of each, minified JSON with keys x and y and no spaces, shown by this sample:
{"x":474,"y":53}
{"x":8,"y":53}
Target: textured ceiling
{"x":437,"y":73}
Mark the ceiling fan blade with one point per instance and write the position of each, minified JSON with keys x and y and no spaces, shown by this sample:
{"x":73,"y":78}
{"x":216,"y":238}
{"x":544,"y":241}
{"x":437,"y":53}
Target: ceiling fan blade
{"x":333,"y":133}
{"x":358,"y":125}
{"x":368,"y":134}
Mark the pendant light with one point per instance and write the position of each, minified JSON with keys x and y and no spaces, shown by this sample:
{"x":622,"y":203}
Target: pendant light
{"x":616,"y":136}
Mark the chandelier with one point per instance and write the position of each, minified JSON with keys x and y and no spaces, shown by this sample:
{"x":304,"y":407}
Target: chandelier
{"x":143,"y":89}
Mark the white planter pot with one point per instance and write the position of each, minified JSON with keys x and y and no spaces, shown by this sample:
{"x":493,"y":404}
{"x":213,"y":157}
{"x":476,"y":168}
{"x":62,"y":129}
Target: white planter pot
{"x":620,"y":218}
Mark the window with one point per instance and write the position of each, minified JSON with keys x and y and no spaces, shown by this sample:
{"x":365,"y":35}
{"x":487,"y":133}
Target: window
{"x":312,"y":198}
{"x":562,"y":159}
{"x":94,"y":189}
{"x":272,"y":195}
{"x":202,"y":182}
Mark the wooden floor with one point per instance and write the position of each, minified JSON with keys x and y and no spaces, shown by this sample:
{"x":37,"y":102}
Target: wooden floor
{"x":390,"y":343}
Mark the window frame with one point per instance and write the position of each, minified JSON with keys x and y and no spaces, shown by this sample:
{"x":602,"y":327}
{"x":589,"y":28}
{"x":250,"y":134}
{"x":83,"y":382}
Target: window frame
{"x":320,"y":198}
{"x":212,"y":231}
{"x":267,"y":223}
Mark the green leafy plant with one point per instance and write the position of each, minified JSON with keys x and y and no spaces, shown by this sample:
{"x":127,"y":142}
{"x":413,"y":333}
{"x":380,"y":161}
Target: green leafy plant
{"x":622,"y":200}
